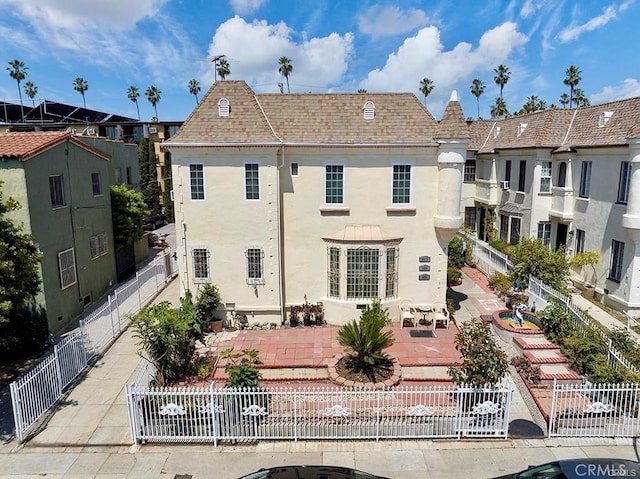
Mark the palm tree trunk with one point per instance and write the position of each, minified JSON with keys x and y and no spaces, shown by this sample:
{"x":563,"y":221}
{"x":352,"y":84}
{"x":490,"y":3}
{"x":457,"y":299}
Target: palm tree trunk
{"x":155,"y":107}
{"x":288,"y":91}
{"x":84,"y":102}
{"x":478,"y":100}
{"x":21,"y":107}
{"x":138,"y":108}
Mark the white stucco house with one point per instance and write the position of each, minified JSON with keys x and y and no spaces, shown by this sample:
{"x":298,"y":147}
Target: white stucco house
{"x":332,"y":198}
{"x":570,"y":177}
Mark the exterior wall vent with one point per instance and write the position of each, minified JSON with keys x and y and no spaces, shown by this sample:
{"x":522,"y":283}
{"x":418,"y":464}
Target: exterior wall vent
{"x":604,"y":118}
{"x":223,"y":107}
{"x":521,"y":128}
{"x":496,"y":132}
{"x":369,"y":110}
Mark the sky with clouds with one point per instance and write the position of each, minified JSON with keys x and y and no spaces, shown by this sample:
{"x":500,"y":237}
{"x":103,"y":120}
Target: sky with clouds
{"x":333,"y":45}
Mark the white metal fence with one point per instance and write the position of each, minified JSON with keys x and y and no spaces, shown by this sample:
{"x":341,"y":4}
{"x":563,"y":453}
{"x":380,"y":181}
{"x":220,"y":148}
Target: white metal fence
{"x":543,"y":295}
{"x":488,"y":259}
{"x":595,"y":410}
{"x":38,"y":390}
{"x":217,"y":415}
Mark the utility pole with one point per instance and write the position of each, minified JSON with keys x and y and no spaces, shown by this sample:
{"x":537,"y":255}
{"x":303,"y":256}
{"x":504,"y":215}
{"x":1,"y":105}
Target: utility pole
{"x":215,"y":61}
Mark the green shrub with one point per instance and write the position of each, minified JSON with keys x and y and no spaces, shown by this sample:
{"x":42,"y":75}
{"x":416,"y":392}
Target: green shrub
{"x":533,"y":257}
{"x":455,"y":258}
{"x":586,"y":353}
{"x":454,"y":275}
{"x":206,"y":304}
{"x":500,"y":282}
{"x":468,"y":255}
{"x":622,"y":341}
{"x":483,"y":362}
{"x":241,"y":368}
{"x":558,"y":323}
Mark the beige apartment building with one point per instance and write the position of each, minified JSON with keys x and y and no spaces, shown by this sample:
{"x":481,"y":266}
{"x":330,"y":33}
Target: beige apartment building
{"x":331,"y":198}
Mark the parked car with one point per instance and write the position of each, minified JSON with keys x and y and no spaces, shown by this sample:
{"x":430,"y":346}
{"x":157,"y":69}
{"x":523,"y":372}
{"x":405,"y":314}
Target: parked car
{"x":586,"y":468}
{"x":153,"y":222}
{"x":310,"y":472}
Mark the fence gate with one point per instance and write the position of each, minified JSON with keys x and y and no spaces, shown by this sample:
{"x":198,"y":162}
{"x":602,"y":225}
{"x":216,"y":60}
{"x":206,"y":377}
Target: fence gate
{"x":595,"y":410}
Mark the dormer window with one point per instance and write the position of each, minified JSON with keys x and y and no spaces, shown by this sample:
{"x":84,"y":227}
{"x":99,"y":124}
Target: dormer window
{"x":604,"y":117}
{"x":521,"y":128}
{"x":223,"y":107}
{"x":369,"y":110}
{"x":496,"y":132}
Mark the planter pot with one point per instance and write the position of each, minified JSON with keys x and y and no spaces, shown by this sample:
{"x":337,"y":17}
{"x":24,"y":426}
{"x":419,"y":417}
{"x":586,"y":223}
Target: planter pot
{"x":588,"y":292}
{"x":319,"y":321}
{"x":216,"y":325}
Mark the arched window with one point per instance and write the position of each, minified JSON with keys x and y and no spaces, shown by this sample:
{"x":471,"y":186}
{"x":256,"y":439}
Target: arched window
{"x":369,"y":110}
{"x":562,"y":174}
{"x":223,"y":107}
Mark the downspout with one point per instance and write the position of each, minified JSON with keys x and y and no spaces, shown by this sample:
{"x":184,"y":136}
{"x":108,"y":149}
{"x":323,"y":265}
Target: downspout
{"x":278,"y":209}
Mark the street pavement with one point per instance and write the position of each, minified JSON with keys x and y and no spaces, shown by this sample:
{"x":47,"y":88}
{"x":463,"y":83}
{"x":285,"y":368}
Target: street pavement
{"x":88,"y":435}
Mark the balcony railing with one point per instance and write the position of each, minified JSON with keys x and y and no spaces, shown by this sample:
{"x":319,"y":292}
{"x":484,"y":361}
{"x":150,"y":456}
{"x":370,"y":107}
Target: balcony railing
{"x":487,"y":192}
{"x":562,"y":202}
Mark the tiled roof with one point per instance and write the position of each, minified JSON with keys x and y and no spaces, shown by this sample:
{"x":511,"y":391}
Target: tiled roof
{"x":245,"y":124}
{"x":334,"y":118}
{"x":25,"y":145}
{"x":453,"y":124}
{"x":560,"y":129}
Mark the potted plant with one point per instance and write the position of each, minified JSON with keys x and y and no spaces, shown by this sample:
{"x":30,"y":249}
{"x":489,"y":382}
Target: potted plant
{"x":454,"y":276}
{"x":307,"y":312}
{"x":294,"y":315}
{"x":208,"y":301}
{"x":582,"y":260}
{"x":318,"y":313}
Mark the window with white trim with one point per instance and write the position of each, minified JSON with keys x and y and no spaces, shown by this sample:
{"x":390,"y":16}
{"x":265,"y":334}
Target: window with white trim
{"x":200,"y":257}
{"x":615,"y":264}
{"x":470,"y":171}
{"x":504,"y":228}
{"x":585,"y":179}
{"x":334,"y":272}
{"x":580,"y":237}
{"x":401,"y":193}
{"x":196,"y":181}
{"x":117,"y":173}
{"x":544,"y":232}
{"x":545,"y":177}
{"x":334,"y":184}
{"x":98,"y":245}
{"x":363,"y":269}
{"x":255,"y":270}
{"x":514,"y":233}
{"x":252,"y":181}
{"x":67,"y":268}
{"x":522,"y":175}
{"x":96,"y":184}
{"x":623,"y":182}
{"x":56,"y":191}
{"x":294,"y":169}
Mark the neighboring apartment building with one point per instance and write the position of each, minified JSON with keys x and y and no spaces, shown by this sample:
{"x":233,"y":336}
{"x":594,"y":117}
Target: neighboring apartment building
{"x":338,"y":198}
{"x":570,"y":177}
{"x":62,"y":185}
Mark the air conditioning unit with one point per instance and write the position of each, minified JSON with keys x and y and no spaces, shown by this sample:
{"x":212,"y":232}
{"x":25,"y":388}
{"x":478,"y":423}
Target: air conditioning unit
{"x":153,"y":129}
{"x":504,"y":185}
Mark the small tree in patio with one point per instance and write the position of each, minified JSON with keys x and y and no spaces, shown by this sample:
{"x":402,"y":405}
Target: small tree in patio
{"x":366,"y":340}
{"x":483,"y":362}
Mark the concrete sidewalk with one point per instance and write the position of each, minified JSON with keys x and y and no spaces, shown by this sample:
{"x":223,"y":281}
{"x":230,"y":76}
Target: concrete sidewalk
{"x":600,"y":315}
{"x":88,"y":436}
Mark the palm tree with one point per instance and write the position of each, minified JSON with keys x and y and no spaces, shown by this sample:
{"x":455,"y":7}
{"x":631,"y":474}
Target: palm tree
{"x":133,"y":94}
{"x":532,"y":104}
{"x":477,"y":89}
{"x":502,"y":77}
{"x":580,"y":98}
{"x":572,"y":78}
{"x":223,"y":69}
{"x":367,"y":340}
{"x":18,"y":71}
{"x":194,"y":88}
{"x":362,"y":90}
{"x":153,"y":95}
{"x":31,"y":91}
{"x":80,"y":85}
{"x":285,"y":69}
{"x":499,"y":109}
{"x":426,"y":87}
{"x":565,"y":100}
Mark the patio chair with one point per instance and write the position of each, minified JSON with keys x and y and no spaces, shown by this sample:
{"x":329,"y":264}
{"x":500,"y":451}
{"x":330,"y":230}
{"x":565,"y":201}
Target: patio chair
{"x":407,"y":312}
{"x":441,"y":315}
